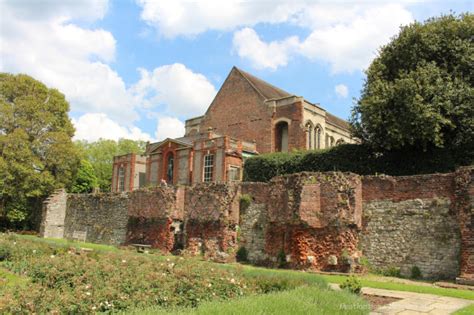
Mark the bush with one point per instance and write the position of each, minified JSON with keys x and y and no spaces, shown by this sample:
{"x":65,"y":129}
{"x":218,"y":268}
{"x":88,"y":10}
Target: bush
{"x":391,"y":272}
{"x":281,"y":259}
{"x":65,"y":281}
{"x":242,"y":255}
{"x":245,"y":201}
{"x":358,"y":159}
{"x":351,"y":284}
{"x":415,"y":273}
{"x":4,"y":252}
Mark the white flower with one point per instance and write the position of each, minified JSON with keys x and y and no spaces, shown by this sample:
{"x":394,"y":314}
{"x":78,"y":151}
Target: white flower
{"x":232,"y":280}
{"x":88,"y":293}
{"x":52,"y":256}
{"x":94,"y":308}
{"x":209,"y":285}
{"x":34,"y":251}
{"x":124,"y":261}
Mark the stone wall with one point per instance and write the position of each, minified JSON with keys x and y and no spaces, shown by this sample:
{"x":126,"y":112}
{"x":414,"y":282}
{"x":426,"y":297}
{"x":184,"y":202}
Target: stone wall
{"x":318,"y":221}
{"x":53,"y":215}
{"x":97,"y":218}
{"x":410,"y":221}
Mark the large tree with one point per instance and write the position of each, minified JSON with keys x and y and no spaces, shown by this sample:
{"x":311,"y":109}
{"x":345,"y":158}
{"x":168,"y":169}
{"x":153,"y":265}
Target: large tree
{"x":36,"y":151}
{"x":419,"y":90}
{"x":100,"y":155}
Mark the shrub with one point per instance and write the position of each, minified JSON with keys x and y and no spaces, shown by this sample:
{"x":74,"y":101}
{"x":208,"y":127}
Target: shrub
{"x":4,"y":253}
{"x":351,"y":284}
{"x":281,"y":259}
{"x":242,"y":254}
{"x":358,"y":159}
{"x":415,"y":273}
{"x":65,"y":281}
{"x":245,"y":201}
{"x":390,"y":272}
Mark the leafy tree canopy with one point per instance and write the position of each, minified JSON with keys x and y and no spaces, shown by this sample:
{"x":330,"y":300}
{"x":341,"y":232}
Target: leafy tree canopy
{"x":36,"y":151}
{"x":100,"y":155}
{"x":419,"y":90}
{"x":85,"y":180}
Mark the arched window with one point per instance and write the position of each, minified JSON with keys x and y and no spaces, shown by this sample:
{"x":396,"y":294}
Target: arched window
{"x":170,"y":168}
{"x":317,"y":137}
{"x":309,"y":135}
{"x":331,"y":141}
{"x":281,"y":137}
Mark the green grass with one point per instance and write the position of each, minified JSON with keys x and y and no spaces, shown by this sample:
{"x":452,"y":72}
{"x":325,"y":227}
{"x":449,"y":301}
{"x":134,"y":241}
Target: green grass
{"x":468,"y":310}
{"x":456,"y":293}
{"x":8,"y":279}
{"x":67,"y":243}
{"x":303,"y":300}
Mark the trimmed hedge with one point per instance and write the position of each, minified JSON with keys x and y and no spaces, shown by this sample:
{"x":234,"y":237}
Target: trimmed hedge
{"x":358,"y":159}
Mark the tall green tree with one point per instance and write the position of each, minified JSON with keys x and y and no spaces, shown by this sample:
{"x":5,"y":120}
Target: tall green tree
{"x":85,"y":180}
{"x":419,"y":90}
{"x":36,"y":151}
{"x":100,"y":154}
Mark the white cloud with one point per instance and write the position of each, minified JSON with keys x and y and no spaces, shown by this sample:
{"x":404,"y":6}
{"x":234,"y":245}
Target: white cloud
{"x":169,"y":127}
{"x":93,"y":126}
{"x":188,"y":18}
{"x":351,"y":45}
{"x":263,"y":55}
{"x":40,"y":39}
{"x":344,"y":35}
{"x":179,"y":89}
{"x":341,"y":90}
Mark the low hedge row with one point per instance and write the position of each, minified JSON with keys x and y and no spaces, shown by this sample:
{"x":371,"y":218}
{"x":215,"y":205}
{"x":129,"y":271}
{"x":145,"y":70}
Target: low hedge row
{"x":358,"y":159}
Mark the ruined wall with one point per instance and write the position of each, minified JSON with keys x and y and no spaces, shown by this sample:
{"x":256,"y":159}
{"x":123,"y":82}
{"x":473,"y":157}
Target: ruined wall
{"x":411,"y":221}
{"x":53,"y":215}
{"x":97,"y":218}
{"x":211,"y":219}
{"x":464,"y":204}
{"x":319,"y":221}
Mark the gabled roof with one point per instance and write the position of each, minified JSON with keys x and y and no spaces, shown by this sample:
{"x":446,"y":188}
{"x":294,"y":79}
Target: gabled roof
{"x":267,"y":90}
{"x":341,"y":123}
{"x":181,"y":141}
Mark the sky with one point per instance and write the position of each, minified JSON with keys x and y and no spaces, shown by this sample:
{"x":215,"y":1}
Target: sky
{"x":138,"y":69}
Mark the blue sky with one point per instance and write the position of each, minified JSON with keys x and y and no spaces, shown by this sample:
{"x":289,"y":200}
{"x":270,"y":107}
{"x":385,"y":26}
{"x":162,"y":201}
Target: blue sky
{"x":138,"y":69}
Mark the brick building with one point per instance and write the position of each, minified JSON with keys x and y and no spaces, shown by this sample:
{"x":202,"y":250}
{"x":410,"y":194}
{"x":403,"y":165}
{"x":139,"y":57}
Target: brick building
{"x":248,"y":116}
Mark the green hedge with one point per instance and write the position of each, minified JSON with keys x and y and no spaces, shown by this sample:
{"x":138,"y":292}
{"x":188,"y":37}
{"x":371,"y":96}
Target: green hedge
{"x":358,"y":159}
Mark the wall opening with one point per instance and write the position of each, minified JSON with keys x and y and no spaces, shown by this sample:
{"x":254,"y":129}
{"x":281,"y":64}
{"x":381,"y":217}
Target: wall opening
{"x":281,"y":137}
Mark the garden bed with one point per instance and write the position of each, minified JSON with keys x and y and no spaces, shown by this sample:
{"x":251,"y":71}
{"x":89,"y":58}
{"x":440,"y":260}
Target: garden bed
{"x":64,"y":279}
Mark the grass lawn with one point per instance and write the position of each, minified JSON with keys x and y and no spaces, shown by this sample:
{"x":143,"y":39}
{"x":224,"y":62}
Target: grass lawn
{"x":390,"y":285}
{"x":303,"y":300}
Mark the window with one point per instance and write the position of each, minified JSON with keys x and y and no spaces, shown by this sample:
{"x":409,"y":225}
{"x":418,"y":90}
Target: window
{"x":309,"y":140}
{"x":208,"y":167}
{"x":121,"y":178}
{"x":317,"y":137}
{"x":170,"y":168}
{"x":141,"y":179}
{"x":234,"y":173}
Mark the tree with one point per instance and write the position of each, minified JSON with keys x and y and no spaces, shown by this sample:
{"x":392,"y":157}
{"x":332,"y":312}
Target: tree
{"x":100,"y":155}
{"x":36,"y":151}
{"x":419,"y":90}
{"x":85,"y":180}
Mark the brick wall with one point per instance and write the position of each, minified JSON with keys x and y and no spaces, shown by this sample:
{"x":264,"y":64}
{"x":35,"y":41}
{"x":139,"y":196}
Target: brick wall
{"x":238,"y":111}
{"x":319,"y":221}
